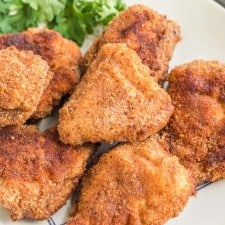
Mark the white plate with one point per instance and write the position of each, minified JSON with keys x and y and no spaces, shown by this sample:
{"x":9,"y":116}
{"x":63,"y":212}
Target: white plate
{"x":202,"y":26}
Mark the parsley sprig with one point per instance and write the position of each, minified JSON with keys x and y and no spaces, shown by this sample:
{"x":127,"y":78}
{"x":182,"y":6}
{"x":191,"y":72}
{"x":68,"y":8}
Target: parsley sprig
{"x":74,"y":19}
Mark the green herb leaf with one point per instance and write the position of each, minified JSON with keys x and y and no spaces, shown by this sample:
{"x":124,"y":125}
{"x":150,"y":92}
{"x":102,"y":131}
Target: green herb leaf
{"x":47,"y":9}
{"x":74,"y":19}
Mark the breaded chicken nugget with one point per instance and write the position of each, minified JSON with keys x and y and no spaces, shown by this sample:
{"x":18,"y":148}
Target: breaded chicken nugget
{"x":196,"y":130}
{"x":116,"y":100}
{"x":150,"y":34}
{"x":63,"y":57}
{"x":137,"y":183}
{"x":37,"y":171}
{"x":23,"y":78}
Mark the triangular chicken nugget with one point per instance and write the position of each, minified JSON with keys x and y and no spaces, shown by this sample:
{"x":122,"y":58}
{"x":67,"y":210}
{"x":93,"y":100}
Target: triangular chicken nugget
{"x":116,"y":100}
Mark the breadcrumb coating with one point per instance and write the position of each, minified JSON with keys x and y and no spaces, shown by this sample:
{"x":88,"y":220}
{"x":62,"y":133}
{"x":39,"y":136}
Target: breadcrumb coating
{"x":136,"y":183}
{"x":37,"y":171}
{"x":196,"y":131}
{"x":63,"y":57}
{"x":151,"y":35}
{"x":116,"y":100}
{"x":23,"y":78}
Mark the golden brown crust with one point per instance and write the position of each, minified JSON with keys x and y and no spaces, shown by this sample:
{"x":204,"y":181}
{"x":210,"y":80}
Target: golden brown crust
{"x":150,"y":34}
{"x":24,"y":76}
{"x":63,"y":57}
{"x":196,"y":129}
{"x":137,"y":183}
{"x":37,"y":171}
{"x":116,"y":100}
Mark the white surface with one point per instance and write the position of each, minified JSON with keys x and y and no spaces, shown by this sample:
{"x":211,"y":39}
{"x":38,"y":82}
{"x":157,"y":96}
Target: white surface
{"x":207,"y":208}
{"x":203,"y":31}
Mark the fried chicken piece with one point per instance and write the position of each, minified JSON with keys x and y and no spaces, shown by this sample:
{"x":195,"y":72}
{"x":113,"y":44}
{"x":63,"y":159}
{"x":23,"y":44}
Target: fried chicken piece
{"x":24,"y":76}
{"x":116,"y":100}
{"x":196,"y":130}
{"x":150,"y":34}
{"x":37,"y":171}
{"x":63,"y":57}
{"x":136,"y":183}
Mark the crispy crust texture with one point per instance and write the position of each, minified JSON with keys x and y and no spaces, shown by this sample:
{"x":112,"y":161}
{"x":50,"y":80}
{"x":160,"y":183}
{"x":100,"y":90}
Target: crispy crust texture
{"x":196,"y":131}
{"x":24,"y":76}
{"x":63,"y":57}
{"x":116,"y":100}
{"x":150,"y":34}
{"x":137,"y":183}
{"x":37,"y":171}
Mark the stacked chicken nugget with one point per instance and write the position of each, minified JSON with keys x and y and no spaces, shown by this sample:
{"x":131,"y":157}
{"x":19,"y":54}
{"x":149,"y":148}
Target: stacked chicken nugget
{"x":119,"y":99}
{"x":37,"y":172}
{"x":169,"y":142}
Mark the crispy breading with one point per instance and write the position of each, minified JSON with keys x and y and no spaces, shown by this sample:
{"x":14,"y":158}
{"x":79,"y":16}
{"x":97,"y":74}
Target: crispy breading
{"x":63,"y":57}
{"x":150,"y":34}
{"x":116,"y":100}
{"x":196,"y":130}
{"x":37,"y":171}
{"x":23,"y":78}
{"x":136,"y":183}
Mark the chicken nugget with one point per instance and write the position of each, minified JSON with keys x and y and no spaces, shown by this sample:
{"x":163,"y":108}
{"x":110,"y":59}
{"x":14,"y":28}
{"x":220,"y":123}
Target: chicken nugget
{"x":23,"y":79}
{"x":150,"y":34}
{"x":136,"y":183}
{"x":37,"y":171}
{"x":196,"y":131}
{"x":116,"y":100}
{"x":63,"y":57}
